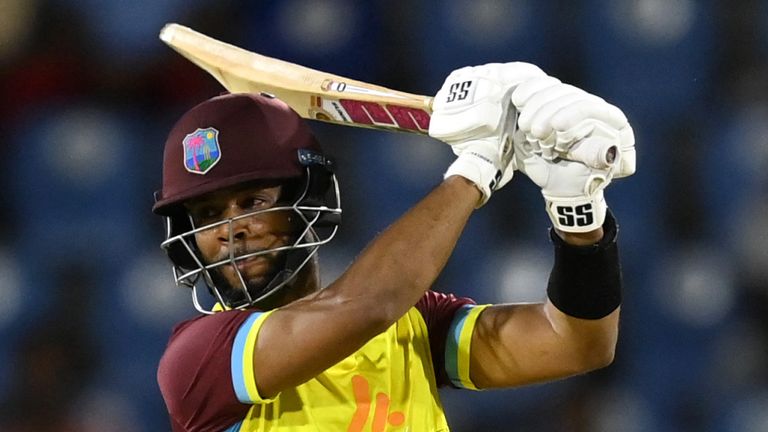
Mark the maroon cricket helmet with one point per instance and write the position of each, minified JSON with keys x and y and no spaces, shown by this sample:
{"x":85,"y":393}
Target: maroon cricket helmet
{"x":228,"y":140}
{"x":231,"y":140}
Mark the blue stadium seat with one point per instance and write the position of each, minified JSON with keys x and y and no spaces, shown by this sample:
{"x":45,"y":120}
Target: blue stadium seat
{"x":652,"y":57}
{"x":732,"y":177}
{"x":75,"y":191}
{"x":130,"y":28}
{"x":336,"y":36}
{"x":671,"y":325}
{"x":460,"y":33}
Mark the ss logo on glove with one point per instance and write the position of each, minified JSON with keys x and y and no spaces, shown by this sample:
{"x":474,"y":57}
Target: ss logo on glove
{"x":458,"y":91}
{"x":575,"y":216}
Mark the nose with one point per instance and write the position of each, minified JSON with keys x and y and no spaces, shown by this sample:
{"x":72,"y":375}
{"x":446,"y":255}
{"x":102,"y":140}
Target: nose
{"x":239,"y":229}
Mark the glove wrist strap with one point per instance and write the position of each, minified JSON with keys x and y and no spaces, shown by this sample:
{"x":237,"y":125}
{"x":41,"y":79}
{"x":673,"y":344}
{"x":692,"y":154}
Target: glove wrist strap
{"x":478,"y":169}
{"x":577,"y":214}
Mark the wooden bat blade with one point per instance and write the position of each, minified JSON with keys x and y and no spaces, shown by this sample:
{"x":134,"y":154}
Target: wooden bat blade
{"x":313,"y":94}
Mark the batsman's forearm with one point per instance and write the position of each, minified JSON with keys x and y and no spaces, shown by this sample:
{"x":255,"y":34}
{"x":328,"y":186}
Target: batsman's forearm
{"x":584,"y":292}
{"x":590,"y":344}
{"x":395,"y":270}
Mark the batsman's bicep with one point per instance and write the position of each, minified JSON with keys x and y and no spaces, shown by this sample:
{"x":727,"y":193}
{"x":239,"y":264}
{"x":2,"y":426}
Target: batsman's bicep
{"x":514,"y":344}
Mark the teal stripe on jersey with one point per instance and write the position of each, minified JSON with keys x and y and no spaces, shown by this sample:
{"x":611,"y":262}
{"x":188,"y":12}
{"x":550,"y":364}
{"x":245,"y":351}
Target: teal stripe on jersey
{"x":238,"y":348}
{"x":235,"y":427}
{"x":452,"y":345}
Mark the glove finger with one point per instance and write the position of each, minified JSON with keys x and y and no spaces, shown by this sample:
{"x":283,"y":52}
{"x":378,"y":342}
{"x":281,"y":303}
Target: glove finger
{"x":541,"y":120}
{"x":627,"y":137}
{"x":527,"y":89}
{"x":594,"y":108}
{"x":547,"y":148}
{"x":522,"y":148}
{"x":543,"y":98}
{"x":627,"y":164}
{"x":531,"y":144}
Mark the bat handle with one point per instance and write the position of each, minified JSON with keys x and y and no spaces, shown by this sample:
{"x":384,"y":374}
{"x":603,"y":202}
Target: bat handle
{"x":597,"y":152}
{"x":599,"y":147}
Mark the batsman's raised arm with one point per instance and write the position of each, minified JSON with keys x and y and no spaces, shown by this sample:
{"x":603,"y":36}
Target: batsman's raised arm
{"x":573,"y":332}
{"x":576,"y":329}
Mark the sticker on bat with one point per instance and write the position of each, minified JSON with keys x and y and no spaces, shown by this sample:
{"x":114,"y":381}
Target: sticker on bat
{"x":337,"y":111}
{"x":342,"y":87}
{"x":371,"y":114}
{"x":391,"y":116}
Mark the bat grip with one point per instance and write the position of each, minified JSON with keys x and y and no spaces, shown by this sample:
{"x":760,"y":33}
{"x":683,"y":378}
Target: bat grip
{"x":599,"y":147}
{"x":597,"y":152}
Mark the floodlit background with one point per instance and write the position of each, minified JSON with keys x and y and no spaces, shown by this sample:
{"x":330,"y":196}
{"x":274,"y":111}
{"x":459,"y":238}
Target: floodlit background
{"x":89,"y":94}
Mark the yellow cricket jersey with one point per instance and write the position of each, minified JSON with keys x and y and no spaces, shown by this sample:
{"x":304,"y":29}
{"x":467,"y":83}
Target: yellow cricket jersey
{"x":389,"y":384}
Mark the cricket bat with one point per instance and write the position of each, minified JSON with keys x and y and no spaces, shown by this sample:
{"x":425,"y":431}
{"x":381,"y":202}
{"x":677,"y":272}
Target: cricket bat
{"x":313,"y":94}
{"x":320,"y":95}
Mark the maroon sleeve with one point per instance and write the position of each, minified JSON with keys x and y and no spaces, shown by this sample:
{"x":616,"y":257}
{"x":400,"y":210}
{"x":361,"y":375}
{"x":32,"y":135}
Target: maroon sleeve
{"x":195,"y":375}
{"x":438,"y":310}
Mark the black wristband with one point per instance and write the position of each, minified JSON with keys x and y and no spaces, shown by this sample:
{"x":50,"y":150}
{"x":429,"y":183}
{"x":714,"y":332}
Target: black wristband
{"x":585,"y":281}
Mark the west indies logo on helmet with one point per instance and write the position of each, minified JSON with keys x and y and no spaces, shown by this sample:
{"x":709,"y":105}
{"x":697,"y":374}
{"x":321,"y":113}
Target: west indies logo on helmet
{"x":201,"y":150}
{"x":232,"y":140}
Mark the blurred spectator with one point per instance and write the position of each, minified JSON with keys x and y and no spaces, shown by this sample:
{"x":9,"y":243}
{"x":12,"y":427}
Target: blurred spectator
{"x":53,"y":362}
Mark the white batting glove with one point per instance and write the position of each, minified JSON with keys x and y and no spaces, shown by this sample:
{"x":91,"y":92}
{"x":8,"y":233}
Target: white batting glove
{"x":571,"y":144}
{"x":573,"y":192}
{"x":561,"y":120}
{"x":473,"y":113}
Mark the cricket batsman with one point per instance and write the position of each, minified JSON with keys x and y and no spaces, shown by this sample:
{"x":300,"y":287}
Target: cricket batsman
{"x":249,"y":197}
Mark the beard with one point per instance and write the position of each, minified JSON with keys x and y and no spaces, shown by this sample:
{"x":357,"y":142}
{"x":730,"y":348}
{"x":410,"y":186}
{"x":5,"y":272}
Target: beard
{"x":227,"y":277}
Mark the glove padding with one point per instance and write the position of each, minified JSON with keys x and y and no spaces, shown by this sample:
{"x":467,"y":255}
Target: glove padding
{"x":573,"y":192}
{"x":473,"y":113}
{"x":563,"y":121}
{"x":571,"y":144}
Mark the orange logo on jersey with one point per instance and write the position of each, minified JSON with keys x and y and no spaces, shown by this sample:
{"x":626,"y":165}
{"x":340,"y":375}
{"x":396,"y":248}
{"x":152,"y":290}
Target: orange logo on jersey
{"x":381,"y":414}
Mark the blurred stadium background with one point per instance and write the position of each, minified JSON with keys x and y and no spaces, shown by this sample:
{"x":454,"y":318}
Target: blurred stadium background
{"x":89,"y":93}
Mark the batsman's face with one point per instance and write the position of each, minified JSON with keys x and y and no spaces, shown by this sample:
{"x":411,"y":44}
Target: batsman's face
{"x":244,"y":233}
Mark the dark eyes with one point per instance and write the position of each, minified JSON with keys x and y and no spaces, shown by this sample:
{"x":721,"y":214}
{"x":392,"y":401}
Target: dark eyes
{"x":209,"y":214}
{"x":205,"y":215}
{"x":256,"y":203}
